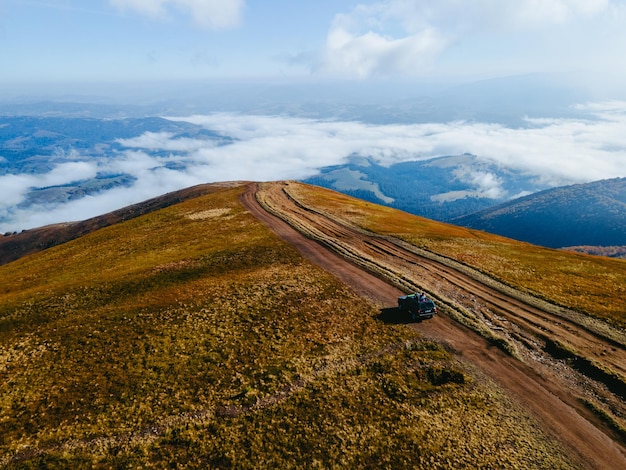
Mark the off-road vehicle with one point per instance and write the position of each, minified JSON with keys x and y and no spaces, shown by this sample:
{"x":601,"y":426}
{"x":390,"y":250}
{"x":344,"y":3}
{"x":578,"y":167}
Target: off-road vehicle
{"x":417,"y":306}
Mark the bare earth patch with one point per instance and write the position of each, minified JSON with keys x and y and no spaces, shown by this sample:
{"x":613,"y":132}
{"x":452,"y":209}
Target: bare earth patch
{"x":208,"y":214}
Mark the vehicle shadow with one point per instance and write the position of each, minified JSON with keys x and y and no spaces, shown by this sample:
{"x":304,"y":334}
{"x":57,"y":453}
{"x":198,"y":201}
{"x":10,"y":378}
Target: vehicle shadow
{"x":393,"y":315}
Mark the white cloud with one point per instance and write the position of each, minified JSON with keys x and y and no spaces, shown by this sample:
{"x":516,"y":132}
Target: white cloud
{"x":604,"y":109}
{"x":488,"y":185}
{"x":164,"y":141}
{"x":544,"y":12}
{"x":152,"y":184}
{"x":134,"y":163}
{"x":67,"y":173}
{"x":265,"y":148}
{"x":391,"y":37}
{"x":454,"y":15}
{"x":372,"y":54}
{"x":15,"y":187}
{"x":560,"y":151}
{"x":210,"y":14}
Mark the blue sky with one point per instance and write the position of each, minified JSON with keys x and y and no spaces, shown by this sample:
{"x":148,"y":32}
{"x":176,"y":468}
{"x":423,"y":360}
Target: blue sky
{"x":397,"y":48}
{"x":134,"y":40}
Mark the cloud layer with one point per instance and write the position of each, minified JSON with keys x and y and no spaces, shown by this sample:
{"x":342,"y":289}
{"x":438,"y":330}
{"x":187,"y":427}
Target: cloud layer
{"x":264,"y":148}
{"x":210,"y":14}
{"x":392,"y":37}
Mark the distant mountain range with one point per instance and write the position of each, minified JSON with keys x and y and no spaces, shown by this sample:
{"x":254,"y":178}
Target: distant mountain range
{"x":35,"y":145}
{"x":581,"y":214}
{"x":468,"y":191}
{"x":440,"y":189}
{"x":505,"y":100}
{"x":461,"y":189}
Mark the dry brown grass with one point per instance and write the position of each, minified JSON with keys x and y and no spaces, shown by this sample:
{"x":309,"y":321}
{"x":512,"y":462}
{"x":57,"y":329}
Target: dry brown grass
{"x":172,"y":340}
{"x":589,"y":284}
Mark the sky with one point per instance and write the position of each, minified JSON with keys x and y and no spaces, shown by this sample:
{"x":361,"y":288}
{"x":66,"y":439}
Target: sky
{"x":91,"y":44}
{"x":43,"y":41}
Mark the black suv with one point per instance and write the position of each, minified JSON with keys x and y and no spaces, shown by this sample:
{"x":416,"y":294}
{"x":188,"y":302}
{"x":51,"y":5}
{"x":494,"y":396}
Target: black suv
{"x":417,"y":306}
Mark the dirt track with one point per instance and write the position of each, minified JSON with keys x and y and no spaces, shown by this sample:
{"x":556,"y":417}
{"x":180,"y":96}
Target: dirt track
{"x":546,"y":386}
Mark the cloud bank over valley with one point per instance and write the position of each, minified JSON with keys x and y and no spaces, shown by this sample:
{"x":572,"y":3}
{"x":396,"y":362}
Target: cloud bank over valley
{"x":132,"y":168}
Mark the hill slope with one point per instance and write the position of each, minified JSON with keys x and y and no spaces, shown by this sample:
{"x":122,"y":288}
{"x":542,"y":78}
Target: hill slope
{"x":14,"y":246}
{"x":583,"y":214}
{"x":192,"y":332}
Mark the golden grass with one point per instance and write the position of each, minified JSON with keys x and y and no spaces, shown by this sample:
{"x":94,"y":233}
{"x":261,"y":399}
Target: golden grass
{"x":589,"y":284}
{"x":205,"y":341}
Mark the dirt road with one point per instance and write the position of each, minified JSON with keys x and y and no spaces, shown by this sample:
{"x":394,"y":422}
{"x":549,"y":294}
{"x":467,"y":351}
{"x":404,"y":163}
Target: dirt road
{"x":550,"y":388}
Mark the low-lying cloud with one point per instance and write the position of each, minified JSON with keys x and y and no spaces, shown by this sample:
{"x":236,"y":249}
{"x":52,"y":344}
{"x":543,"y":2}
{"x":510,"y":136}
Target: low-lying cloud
{"x":264,"y":148}
{"x":15,"y":187}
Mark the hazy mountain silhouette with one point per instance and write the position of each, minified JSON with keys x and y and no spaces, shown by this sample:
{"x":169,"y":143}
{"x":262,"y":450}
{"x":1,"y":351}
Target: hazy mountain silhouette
{"x":581,"y":214}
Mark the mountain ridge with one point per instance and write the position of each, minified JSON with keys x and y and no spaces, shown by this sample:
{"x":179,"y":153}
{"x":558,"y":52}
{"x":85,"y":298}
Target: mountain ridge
{"x":15,"y":245}
{"x":439,"y":188}
{"x":583,"y":214}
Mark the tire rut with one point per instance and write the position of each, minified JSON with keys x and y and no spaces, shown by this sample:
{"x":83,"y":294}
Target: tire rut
{"x":557,"y":398}
{"x":368,"y":249}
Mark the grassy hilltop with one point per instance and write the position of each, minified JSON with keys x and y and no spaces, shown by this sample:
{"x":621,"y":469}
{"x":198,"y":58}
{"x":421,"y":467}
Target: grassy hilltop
{"x":193,"y":336}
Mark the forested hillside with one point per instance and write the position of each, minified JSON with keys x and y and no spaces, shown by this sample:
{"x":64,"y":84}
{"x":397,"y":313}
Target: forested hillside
{"x":584,"y":214}
{"x":439,"y":189}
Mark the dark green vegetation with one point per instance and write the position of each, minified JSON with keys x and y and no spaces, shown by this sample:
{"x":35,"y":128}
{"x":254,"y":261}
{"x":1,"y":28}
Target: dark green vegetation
{"x":193,"y":336}
{"x":439,"y":189}
{"x":583,"y":214}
